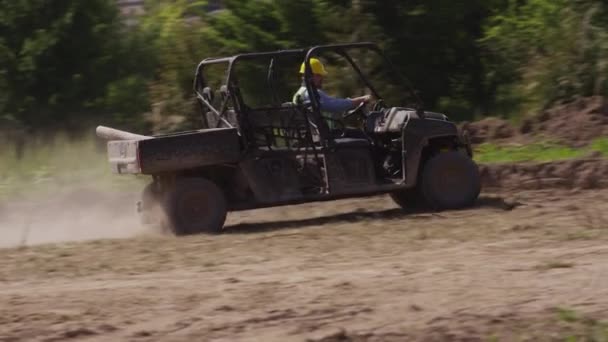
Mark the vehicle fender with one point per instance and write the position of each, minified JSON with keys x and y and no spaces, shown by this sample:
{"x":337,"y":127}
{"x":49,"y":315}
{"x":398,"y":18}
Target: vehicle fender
{"x":416,"y":134}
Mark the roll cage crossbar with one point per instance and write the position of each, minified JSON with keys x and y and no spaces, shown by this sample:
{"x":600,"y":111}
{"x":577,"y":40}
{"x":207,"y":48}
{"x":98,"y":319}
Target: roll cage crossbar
{"x":231,"y":91}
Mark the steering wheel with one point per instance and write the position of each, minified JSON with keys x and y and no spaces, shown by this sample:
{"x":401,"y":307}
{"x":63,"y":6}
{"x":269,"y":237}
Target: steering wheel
{"x":379,"y":105}
{"x":358,"y":110}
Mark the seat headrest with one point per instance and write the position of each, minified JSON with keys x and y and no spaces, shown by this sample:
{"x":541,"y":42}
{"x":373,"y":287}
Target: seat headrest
{"x":208,"y":94}
{"x":224,"y":92}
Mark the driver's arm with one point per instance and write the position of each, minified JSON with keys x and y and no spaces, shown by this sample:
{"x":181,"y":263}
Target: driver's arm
{"x":361,"y":99}
{"x":334,"y":104}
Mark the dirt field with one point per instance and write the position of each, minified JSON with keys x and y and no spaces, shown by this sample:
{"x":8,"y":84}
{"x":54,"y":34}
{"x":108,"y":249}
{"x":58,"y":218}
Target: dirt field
{"x":519,"y":266}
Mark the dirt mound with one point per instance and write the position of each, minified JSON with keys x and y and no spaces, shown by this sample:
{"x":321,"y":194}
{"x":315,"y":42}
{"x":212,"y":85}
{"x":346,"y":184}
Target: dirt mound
{"x":575,"y":124}
{"x":570,"y":174}
{"x":489,"y":129}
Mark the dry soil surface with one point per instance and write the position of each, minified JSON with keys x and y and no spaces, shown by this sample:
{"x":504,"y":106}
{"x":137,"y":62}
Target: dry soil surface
{"x":517,"y":266}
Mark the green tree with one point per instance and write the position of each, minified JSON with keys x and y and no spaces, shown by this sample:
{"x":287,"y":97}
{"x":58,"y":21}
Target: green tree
{"x":547,"y":51}
{"x":186,"y":35}
{"x":434,"y":43}
{"x":72,"y":61}
{"x":55,"y":57}
{"x":175,"y":31}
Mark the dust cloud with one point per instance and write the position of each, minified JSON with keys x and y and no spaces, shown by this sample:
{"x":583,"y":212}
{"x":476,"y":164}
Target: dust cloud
{"x":73,"y":214}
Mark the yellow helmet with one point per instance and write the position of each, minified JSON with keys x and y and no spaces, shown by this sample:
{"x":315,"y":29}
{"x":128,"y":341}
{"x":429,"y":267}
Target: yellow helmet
{"x":317,"y":67}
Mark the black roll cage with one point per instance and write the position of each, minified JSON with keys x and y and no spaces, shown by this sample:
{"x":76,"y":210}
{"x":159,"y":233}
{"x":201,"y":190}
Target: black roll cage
{"x":233,"y":91}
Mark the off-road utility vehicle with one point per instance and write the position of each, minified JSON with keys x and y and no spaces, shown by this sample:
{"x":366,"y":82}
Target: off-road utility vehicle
{"x":251,"y":154}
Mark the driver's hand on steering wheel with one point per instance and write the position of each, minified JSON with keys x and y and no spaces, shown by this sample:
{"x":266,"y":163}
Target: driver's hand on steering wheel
{"x":362,"y":99}
{"x":367,"y":98}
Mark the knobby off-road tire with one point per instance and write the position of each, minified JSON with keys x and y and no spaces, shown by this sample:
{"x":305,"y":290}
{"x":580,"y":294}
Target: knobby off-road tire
{"x":149,"y":197}
{"x":194,"y":206}
{"x":450,"y":180}
{"x":150,"y":209}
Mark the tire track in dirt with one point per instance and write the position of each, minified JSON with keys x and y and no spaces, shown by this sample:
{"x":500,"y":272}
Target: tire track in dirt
{"x":324,"y":273}
{"x":433,"y":290}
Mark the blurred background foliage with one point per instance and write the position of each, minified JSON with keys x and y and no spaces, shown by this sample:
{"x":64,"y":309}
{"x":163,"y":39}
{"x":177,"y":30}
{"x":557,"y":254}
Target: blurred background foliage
{"x":69,"y":64}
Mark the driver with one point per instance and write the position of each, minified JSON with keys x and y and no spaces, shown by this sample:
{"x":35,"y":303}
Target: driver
{"x":331,"y":107}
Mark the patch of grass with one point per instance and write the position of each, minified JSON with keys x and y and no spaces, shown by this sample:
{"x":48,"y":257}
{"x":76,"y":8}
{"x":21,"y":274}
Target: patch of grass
{"x":536,"y":152}
{"x":567,"y":325}
{"x":580,"y":236}
{"x":539,"y":152}
{"x":493,"y":338}
{"x":567,"y":315}
{"x":54,"y":164}
{"x":587,"y":329}
{"x":600,"y":145}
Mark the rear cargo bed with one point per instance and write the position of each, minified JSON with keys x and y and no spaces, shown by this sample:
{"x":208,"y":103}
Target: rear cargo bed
{"x":175,"y":152}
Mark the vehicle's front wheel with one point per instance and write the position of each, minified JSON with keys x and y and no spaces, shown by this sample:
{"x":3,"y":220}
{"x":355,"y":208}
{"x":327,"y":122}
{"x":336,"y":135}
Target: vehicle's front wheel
{"x":195,"y":205}
{"x":409,"y":199}
{"x":450,"y":180}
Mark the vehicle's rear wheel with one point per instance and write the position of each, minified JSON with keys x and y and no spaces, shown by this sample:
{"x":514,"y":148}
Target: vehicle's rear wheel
{"x":149,"y":197}
{"x":450,"y":180}
{"x":195,"y":205}
{"x":150,"y":208}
